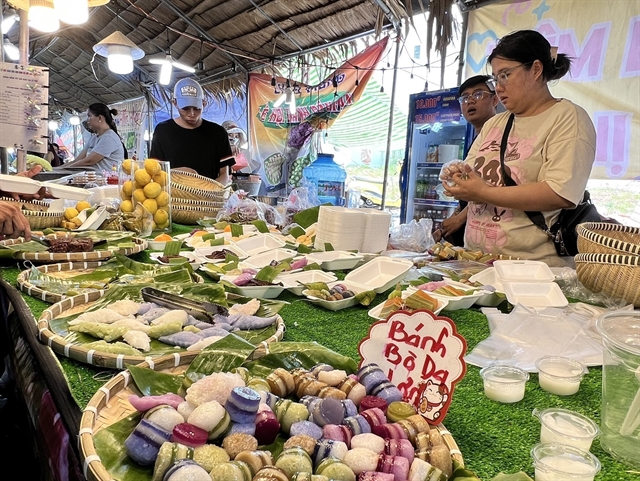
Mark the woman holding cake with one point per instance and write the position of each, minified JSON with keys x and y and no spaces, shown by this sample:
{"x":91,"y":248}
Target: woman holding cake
{"x":549,"y":152}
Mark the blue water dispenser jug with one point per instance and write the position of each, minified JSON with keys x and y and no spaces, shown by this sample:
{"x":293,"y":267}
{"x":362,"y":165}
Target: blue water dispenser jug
{"x":328,"y":177}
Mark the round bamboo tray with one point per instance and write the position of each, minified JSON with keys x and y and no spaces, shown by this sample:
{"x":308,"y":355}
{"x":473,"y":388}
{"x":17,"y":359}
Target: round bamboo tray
{"x":49,"y":257}
{"x":75,"y":304}
{"x":110,"y":404}
{"x":37,"y":213}
{"x":64,"y":270}
{"x":607,"y":238}
{"x":196,"y":181}
{"x":616,"y":276}
{"x":179,"y":191}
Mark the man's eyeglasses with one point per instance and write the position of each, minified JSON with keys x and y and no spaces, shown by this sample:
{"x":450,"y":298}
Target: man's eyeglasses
{"x":477,"y":96}
{"x":503,"y":77}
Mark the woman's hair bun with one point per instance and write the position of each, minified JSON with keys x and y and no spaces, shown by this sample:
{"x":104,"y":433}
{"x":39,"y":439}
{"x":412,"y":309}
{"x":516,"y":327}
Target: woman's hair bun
{"x":113,"y":112}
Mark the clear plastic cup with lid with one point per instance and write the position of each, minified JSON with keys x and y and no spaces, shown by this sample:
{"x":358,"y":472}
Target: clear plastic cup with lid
{"x":561,"y":462}
{"x":566,"y":427}
{"x":560,"y":375}
{"x":504,"y":383}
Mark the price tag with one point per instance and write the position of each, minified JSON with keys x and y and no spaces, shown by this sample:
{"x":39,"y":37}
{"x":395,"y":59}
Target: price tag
{"x":422,"y":354}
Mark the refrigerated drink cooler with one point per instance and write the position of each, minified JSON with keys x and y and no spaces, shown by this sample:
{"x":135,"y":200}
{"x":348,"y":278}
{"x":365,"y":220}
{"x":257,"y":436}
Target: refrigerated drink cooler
{"x":437,"y":133}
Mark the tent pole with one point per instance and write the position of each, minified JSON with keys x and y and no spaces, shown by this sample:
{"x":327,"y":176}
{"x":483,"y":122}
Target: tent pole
{"x":391,"y":110}
{"x":463,"y":41}
{"x":23,"y":46}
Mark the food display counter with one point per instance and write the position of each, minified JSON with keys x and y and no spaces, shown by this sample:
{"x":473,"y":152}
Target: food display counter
{"x":492,"y":437}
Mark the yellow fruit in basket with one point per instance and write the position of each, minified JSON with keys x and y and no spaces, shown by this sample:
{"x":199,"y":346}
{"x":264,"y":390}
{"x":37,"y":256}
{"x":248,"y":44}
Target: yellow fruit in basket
{"x":161,"y":217}
{"x":160,"y":178}
{"x":82,"y":205}
{"x":152,"y":166}
{"x":126,"y":166}
{"x":151,"y":205}
{"x":76,"y":221}
{"x":127,"y":188}
{"x":70,"y":213}
{"x":162,"y":199}
{"x":152,"y":190}
{"x":126,"y":206}
{"x":138,"y":195}
{"x":142,"y":177}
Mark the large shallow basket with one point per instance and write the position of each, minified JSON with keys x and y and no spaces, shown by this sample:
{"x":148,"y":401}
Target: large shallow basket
{"x":607,"y":238}
{"x":110,"y":404}
{"x":196,"y":181}
{"x":77,"y":351}
{"x":614,"y":275}
{"x":191,"y":214}
{"x":37,"y":213}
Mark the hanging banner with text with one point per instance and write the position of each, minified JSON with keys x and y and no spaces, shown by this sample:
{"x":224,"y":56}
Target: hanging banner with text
{"x":422,"y":354}
{"x":603,"y":40}
{"x":280,"y":130}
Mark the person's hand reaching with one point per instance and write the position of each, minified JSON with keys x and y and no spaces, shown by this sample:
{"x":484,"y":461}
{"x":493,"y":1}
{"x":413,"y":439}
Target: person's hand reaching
{"x":13,"y":223}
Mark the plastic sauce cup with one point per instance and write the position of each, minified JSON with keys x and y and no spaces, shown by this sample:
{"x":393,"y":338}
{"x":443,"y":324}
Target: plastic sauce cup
{"x":504,"y":383}
{"x":560,"y":375}
{"x":561,"y":462}
{"x":566,"y":427}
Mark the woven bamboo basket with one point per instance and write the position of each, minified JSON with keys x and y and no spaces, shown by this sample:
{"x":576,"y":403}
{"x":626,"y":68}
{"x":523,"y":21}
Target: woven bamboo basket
{"x":32,"y":205}
{"x":208,"y":204}
{"x":110,"y":404}
{"x":48,"y":257}
{"x":607,"y":238}
{"x":188,"y":214}
{"x":37,"y":214}
{"x":63,"y":271}
{"x":75,"y":304}
{"x":195,"y":181}
{"x":616,"y":276}
{"x":179,"y":191}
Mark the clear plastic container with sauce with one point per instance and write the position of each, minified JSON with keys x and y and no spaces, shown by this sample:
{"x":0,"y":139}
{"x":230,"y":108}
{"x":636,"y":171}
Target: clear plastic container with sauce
{"x":329,"y":179}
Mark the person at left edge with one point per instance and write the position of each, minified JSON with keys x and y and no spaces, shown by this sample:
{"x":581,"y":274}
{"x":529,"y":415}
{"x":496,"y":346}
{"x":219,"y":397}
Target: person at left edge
{"x":105,"y":148}
{"x":189,"y":141}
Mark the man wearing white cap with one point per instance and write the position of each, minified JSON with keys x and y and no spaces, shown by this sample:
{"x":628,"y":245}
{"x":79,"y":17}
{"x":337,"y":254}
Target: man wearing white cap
{"x":190,"y":141}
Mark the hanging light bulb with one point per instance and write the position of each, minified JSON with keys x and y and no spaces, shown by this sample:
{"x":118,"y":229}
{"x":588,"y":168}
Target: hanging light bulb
{"x":74,"y":12}
{"x":10,"y":50}
{"x":53,"y":125}
{"x":42,"y":16}
{"x":146,"y":137}
{"x":291,"y":100}
{"x":74,"y":120}
{"x":165,"y":73}
{"x":120,"y":52}
{"x":8,"y":19}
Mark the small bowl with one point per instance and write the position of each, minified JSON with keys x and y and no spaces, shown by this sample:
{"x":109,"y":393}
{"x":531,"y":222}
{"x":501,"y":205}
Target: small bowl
{"x":560,"y":461}
{"x":566,"y":427}
{"x":504,"y":383}
{"x":560,"y":375}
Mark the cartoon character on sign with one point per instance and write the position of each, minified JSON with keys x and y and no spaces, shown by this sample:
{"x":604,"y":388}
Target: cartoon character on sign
{"x":434,"y":397}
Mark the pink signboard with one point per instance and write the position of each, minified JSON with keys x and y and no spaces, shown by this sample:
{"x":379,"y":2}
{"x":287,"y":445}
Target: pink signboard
{"x":422,"y":354}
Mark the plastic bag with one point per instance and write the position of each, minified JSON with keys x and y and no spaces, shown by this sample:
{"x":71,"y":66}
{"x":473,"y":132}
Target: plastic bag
{"x":572,"y":288}
{"x":451,"y":168}
{"x":413,"y":236}
{"x":239,"y":209}
{"x":300,"y":198}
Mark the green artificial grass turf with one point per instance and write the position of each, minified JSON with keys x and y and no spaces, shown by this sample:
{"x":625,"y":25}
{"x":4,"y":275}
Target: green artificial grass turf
{"x":492,"y":437}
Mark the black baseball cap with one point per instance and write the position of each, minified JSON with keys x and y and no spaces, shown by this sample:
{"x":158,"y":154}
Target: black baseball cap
{"x":473,"y":81}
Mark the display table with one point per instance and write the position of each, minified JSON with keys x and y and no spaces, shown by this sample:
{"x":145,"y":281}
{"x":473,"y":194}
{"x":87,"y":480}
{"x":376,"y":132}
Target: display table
{"x":493,"y":437}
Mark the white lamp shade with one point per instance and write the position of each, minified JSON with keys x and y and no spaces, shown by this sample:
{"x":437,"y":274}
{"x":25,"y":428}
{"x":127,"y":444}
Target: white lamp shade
{"x":42,"y":16}
{"x":118,"y":38}
{"x":74,"y":12}
{"x":119,"y":59}
{"x":165,"y":73}
{"x":10,"y":50}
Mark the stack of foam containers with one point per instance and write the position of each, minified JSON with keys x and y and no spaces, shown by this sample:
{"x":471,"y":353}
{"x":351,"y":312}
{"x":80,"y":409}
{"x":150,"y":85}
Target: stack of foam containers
{"x":363,"y":230}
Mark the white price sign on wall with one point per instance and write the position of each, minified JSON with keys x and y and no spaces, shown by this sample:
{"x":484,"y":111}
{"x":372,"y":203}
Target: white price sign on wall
{"x":422,"y":354}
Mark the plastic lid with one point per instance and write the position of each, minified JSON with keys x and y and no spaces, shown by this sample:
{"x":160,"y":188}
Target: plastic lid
{"x":622,"y":329}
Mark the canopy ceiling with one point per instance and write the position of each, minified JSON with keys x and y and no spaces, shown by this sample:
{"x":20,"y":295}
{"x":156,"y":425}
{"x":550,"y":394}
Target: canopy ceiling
{"x":230,"y":38}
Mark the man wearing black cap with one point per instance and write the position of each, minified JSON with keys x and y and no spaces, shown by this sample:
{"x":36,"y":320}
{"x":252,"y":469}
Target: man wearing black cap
{"x":189,"y":140}
{"x":478,"y":103}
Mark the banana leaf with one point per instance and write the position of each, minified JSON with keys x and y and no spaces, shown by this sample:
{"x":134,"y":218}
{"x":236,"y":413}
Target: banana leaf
{"x":297,"y":231}
{"x":303,"y":249}
{"x":113,"y":455}
{"x":154,"y":383}
{"x":237,"y":230}
{"x":306,"y":217}
{"x":261,"y":226}
{"x":222,"y":356}
{"x":31,"y":246}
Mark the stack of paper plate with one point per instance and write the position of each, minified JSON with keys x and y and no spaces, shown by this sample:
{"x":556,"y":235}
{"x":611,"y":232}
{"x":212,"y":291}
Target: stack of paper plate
{"x":342,"y":228}
{"x":376,"y":230}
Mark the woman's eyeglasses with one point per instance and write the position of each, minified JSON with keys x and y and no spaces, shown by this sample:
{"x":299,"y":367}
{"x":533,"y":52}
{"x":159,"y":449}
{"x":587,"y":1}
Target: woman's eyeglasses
{"x":503,"y":77}
{"x":477,"y":96}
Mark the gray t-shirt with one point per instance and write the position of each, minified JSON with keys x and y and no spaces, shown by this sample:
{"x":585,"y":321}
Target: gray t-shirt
{"x":110,"y":147}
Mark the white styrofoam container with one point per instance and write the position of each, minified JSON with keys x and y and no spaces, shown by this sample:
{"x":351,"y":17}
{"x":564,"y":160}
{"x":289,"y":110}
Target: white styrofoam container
{"x":535,"y":294}
{"x":488,"y":277}
{"x":95,"y":220}
{"x":293,"y":282}
{"x":19,"y":184}
{"x":454,"y":302}
{"x":343,"y":303}
{"x":335,"y":260}
{"x":262,"y":292}
{"x":192,"y":258}
{"x":203,"y":252}
{"x":259,"y":243}
{"x":263,"y":259}
{"x":67,"y":191}
{"x":523,"y":271}
{"x":375,"y":312}
{"x":381,"y":272}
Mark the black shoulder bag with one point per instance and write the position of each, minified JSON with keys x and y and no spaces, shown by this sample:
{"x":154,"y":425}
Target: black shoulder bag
{"x":563,"y":231}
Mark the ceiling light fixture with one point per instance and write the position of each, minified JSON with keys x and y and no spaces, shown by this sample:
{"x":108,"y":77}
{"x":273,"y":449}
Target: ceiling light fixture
{"x":8,"y":19}
{"x":167,"y":65}
{"x":120,"y":52}
{"x":10,"y":50}
{"x":74,"y":120}
{"x":74,"y":12}
{"x":42,"y":16}
{"x":53,"y":125}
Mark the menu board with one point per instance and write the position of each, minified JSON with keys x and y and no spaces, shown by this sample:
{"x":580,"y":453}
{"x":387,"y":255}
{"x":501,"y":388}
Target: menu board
{"x":24,"y":93}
